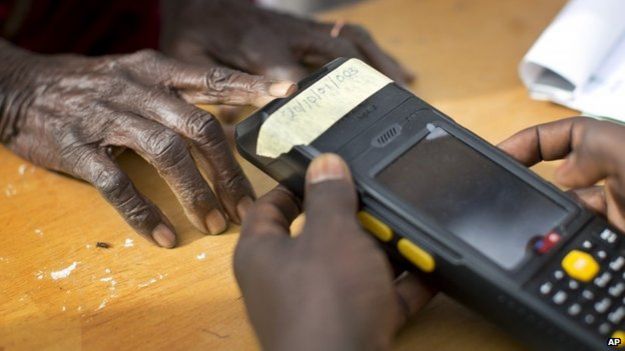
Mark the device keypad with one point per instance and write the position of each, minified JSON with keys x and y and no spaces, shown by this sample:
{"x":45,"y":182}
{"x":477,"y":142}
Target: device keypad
{"x":603,"y":305}
{"x":604,"y":328}
{"x":558,"y":274}
{"x":574,"y":309}
{"x":603,"y":280}
{"x":580,"y":265}
{"x":587,"y":245}
{"x":546,"y":288}
{"x":588,"y":294}
{"x":573,"y":284}
{"x":560,"y":297}
{"x":617,"y":289}
{"x":617,"y":315}
{"x":589,"y":283}
{"x":617,"y":264}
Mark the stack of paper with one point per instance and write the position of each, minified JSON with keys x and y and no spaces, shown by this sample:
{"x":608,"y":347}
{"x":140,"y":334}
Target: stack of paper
{"x":579,"y":60}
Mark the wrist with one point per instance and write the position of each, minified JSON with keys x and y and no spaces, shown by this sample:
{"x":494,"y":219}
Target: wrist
{"x":312,"y":342}
{"x":330,"y":329}
{"x":15,"y":73}
{"x":322,"y":336}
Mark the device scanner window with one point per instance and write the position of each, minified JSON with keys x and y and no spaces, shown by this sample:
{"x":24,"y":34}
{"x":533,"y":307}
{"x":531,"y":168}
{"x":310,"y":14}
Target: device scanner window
{"x":472,"y":197}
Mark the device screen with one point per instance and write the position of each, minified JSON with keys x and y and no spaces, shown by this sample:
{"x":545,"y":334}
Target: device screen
{"x":472,"y":197}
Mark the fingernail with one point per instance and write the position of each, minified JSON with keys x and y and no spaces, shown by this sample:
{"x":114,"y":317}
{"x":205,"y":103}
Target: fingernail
{"x":163,"y":236}
{"x":327,"y":167}
{"x":282,"y":89}
{"x":216,"y":222}
{"x":243,"y":206}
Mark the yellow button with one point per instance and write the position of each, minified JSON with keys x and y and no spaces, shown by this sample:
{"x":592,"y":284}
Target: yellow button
{"x":619,"y":334}
{"x":580,"y":265}
{"x":423,"y":260}
{"x":375,"y":226}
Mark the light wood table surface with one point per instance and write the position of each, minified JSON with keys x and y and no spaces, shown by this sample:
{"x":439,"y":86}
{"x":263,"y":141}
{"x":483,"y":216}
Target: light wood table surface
{"x":135,"y":296}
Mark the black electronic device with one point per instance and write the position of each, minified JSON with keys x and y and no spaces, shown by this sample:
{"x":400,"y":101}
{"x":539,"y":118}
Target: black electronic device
{"x":490,"y":232}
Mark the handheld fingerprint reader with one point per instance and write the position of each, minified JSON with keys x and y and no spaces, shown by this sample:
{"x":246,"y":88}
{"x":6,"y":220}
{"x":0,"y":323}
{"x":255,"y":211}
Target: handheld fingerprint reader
{"x":490,"y":232}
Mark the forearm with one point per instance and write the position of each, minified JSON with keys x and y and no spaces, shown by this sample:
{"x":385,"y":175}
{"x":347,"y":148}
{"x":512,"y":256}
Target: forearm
{"x":171,"y":7}
{"x":15,"y":66}
{"x":173,"y":12}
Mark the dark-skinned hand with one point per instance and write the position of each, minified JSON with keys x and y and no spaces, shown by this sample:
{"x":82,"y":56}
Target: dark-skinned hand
{"x":70,"y":113}
{"x":238,"y":34}
{"x":328,"y":288}
{"x":243,"y":36}
{"x":592,"y":151}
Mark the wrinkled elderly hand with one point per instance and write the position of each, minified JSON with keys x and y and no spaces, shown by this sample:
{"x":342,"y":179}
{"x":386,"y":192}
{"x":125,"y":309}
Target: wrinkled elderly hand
{"x":592,"y":151}
{"x":329,"y":288}
{"x":240,"y":35}
{"x":69,"y":113}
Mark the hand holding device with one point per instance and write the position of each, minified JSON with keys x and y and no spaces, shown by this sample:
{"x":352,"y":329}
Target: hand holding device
{"x":490,"y":232}
{"x":329,"y":288}
{"x":592,"y":150}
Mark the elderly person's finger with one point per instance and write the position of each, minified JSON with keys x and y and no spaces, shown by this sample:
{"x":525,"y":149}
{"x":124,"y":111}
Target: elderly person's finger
{"x":117,"y":188}
{"x":208,"y":142}
{"x":168,"y":153}
{"x":273,"y":59}
{"x":199,"y":84}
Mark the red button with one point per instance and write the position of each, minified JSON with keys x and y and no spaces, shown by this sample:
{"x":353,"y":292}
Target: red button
{"x":547,"y":243}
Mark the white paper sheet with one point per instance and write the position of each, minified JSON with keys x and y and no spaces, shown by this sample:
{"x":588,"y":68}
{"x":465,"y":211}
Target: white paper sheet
{"x":579,"y":60}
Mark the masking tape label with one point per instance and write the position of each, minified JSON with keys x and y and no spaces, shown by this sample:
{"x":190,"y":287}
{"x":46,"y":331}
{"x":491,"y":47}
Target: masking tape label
{"x":314,"y":110}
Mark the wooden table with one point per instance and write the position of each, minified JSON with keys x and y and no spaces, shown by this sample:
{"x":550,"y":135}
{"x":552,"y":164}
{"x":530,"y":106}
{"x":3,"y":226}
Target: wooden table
{"x":137,"y":296}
